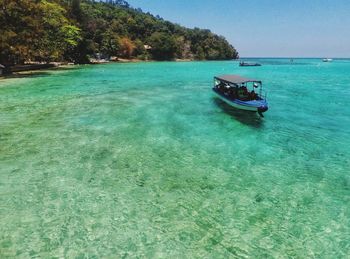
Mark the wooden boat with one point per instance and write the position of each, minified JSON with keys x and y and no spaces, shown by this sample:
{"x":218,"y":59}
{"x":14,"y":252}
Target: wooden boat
{"x":248,"y":64}
{"x":241,"y":93}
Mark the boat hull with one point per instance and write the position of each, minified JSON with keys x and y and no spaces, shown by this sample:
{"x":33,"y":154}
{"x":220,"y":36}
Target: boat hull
{"x":253,"y":106}
{"x":250,"y":65}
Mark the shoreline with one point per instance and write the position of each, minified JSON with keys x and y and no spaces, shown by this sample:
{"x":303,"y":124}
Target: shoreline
{"x":32,"y":69}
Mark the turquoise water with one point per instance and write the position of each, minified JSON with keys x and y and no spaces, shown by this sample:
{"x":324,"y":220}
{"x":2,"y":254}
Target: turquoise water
{"x":140,"y":160}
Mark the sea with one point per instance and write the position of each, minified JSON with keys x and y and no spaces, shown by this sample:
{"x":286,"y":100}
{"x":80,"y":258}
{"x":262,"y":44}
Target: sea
{"x":142,"y":160}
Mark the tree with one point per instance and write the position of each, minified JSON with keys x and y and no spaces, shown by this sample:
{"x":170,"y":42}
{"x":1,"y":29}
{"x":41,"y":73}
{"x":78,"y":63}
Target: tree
{"x":74,"y":30}
{"x":126,"y":47}
{"x":140,"y":51}
{"x":58,"y":35}
{"x":76,"y":10}
{"x":111,"y":43}
{"x":20,"y":30}
{"x":200,"y":53}
{"x":163,"y":46}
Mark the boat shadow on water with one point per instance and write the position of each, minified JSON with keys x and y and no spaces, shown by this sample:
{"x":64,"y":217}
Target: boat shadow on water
{"x":251,"y":119}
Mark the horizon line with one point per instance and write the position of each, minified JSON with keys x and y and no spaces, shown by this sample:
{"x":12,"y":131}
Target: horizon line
{"x":294,"y":57}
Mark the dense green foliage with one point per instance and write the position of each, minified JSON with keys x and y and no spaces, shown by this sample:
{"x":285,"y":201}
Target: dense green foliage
{"x":76,"y":30}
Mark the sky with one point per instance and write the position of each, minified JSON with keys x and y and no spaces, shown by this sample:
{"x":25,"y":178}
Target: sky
{"x":265,"y":28}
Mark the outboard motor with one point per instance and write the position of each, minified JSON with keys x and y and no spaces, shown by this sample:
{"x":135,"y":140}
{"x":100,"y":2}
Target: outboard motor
{"x":262,"y":109}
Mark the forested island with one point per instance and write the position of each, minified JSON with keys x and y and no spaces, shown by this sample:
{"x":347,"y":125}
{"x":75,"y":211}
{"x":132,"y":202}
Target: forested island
{"x":80,"y":30}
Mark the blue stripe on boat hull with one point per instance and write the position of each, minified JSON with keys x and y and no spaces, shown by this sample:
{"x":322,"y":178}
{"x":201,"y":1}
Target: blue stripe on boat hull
{"x":255,"y":106}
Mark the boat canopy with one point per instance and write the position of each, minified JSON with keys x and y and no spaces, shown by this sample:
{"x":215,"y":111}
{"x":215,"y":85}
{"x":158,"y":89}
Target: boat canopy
{"x":235,"y":79}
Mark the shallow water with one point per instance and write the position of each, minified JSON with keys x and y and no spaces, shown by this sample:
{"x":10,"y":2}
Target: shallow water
{"x":141,"y":160}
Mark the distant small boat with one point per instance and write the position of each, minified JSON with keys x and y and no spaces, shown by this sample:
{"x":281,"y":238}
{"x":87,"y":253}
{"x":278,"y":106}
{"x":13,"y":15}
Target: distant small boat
{"x":248,"y":64}
{"x":239,"y":92}
{"x":327,"y":60}
{"x":99,"y":61}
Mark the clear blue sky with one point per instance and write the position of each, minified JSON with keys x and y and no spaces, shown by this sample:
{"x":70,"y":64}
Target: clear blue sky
{"x":266,"y":28}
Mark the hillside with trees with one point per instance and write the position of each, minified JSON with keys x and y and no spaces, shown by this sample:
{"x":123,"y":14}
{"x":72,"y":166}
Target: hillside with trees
{"x":78,"y":30}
